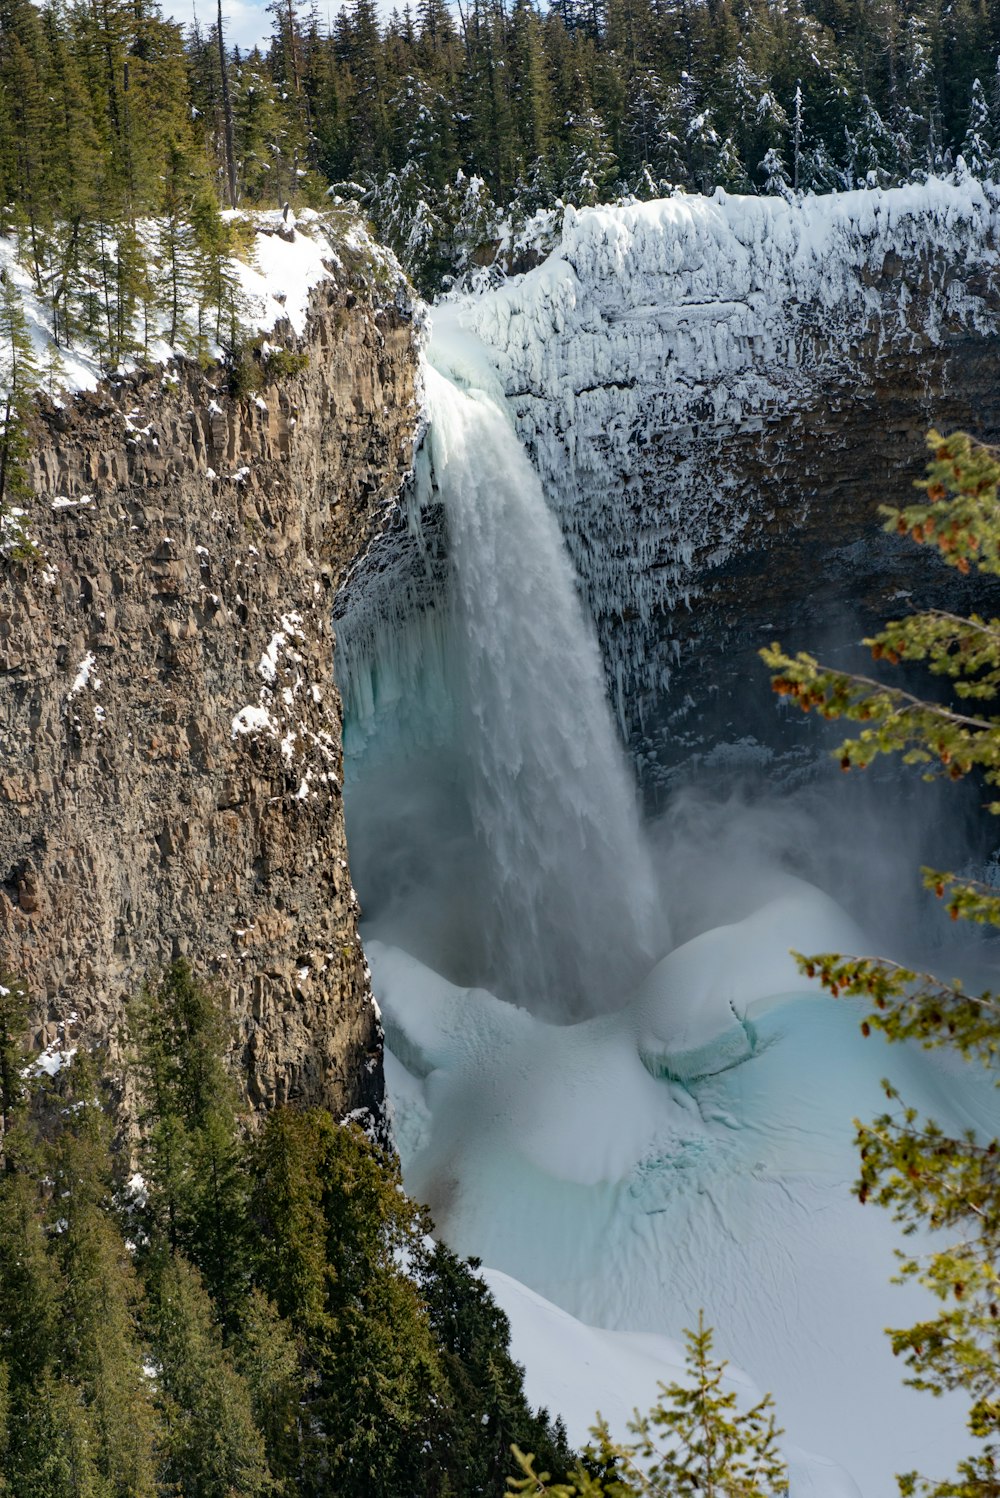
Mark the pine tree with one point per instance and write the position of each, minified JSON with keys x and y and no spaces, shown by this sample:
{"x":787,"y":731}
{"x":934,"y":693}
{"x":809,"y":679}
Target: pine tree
{"x":213,"y":1446}
{"x":908,"y":1164}
{"x":979,"y":147}
{"x":695,"y":1440}
{"x":18,"y":381}
{"x":873,"y":153}
{"x":774,"y":175}
{"x":485,"y":1410}
{"x":592,"y":167}
{"x":334,"y":1227}
{"x":99,"y":1304}
{"x":13,"y":1027}
{"x":191,"y":1150}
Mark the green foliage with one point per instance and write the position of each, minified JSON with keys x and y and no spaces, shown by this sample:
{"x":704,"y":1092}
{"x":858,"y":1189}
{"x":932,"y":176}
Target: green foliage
{"x":260,"y":1311}
{"x":19,"y":376}
{"x":695,"y":1440}
{"x":335,"y":1229}
{"x":192,"y":1150}
{"x":79,"y":1415}
{"x":448,"y":127}
{"x":283,"y":363}
{"x":486,"y":1409}
{"x":13,"y":1023}
{"x":908,"y":1164}
{"x":213,"y":1445}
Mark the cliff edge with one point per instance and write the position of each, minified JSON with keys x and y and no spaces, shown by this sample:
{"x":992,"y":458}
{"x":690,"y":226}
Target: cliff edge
{"x":170,"y":781}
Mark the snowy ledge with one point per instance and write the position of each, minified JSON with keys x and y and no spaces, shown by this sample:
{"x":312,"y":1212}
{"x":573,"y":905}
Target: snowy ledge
{"x":283,"y":257}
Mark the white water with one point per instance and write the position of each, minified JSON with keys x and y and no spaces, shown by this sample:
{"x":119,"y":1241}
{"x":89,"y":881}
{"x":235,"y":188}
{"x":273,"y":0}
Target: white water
{"x":570,"y":882}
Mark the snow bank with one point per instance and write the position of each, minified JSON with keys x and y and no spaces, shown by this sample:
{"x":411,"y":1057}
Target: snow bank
{"x":574,"y":1370}
{"x":577,"y":1160}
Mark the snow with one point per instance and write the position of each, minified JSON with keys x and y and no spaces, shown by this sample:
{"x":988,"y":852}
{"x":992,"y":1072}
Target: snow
{"x":252,"y":719}
{"x":575,"y":1370}
{"x":656,"y":330}
{"x":282,"y":268}
{"x":632,"y":1200}
{"x":84,"y":675}
{"x":288,"y":263}
{"x":268,"y":665}
{"x":52,"y":1060}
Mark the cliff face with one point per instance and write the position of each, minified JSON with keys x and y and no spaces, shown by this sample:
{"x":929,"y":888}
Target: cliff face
{"x":171,"y":772}
{"x":718,"y":393}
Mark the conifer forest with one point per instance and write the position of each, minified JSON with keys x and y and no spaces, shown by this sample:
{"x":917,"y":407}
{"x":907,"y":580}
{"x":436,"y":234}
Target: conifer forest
{"x":455,"y":125}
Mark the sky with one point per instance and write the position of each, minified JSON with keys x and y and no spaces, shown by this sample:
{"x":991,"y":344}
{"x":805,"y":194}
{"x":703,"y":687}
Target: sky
{"x":247,"y":22}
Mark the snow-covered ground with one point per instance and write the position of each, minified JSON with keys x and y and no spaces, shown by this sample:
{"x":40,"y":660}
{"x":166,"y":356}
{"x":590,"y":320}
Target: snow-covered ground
{"x":693,"y":1150}
{"x":285,"y":259}
{"x":577,"y":1369}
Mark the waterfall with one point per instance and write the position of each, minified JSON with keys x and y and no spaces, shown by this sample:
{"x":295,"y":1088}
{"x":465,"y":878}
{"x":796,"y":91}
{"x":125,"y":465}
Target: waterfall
{"x":570,"y":910}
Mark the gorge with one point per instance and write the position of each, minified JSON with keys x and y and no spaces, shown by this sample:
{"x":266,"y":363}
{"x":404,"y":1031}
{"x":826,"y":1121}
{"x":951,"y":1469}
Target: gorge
{"x":582,"y":837}
{"x":681,"y":374}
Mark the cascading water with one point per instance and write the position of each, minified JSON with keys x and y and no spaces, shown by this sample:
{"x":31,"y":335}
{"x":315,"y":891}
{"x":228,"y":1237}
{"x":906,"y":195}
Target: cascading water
{"x":567,"y":910}
{"x":549,"y":789}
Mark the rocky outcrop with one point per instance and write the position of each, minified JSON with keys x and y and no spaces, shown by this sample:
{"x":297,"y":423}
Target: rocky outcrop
{"x":171,"y":773}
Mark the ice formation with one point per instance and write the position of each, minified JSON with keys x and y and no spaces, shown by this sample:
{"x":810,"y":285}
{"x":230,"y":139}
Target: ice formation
{"x":653,"y":331}
{"x":632,"y":1198}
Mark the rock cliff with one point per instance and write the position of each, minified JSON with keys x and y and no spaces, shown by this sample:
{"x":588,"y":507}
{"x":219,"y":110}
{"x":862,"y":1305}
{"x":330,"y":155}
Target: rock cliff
{"x":171,"y":771}
{"x":718,"y":392}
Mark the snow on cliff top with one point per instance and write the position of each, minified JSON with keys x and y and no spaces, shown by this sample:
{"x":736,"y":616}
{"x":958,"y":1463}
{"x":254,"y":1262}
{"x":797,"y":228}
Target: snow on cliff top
{"x":656,"y":331}
{"x":275,"y":278}
{"x":691,"y":266}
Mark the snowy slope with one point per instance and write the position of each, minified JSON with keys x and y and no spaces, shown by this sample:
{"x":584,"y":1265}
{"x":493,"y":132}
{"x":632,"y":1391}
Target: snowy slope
{"x":574,"y":1370}
{"x":655,"y":331}
{"x":276,"y":275}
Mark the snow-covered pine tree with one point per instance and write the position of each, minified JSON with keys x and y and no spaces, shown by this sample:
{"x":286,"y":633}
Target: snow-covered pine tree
{"x":774,"y":175}
{"x":978,"y":150}
{"x":873,"y":152}
{"x":592,"y":168}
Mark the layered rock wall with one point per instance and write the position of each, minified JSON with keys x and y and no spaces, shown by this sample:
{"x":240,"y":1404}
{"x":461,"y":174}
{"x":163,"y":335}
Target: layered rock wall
{"x":170,"y":781}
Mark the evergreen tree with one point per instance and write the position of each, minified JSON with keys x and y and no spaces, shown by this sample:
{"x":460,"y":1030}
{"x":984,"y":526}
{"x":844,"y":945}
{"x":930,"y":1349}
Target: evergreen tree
{"x":333,"y":1228}
{"x":213,"y":1447}
{"x":13,"y":1026}
{"x":774,"y":174}
{"x":191,"y":1150}
{"x":695,"y":1440}
{"x":99,"y":1303}
{"x":908,"y":1164}
{"x":19,"y":376}
{"x":979,"y":148}
{"x":486,"y":1410}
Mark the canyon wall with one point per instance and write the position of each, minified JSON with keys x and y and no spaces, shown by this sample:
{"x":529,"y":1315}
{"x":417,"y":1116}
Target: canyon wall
{"x":718,"y":393}
{"x":171,"y":771}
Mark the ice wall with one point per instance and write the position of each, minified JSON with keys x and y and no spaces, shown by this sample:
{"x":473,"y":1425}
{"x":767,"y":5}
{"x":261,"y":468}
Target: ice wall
{"x":673,"y":366}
